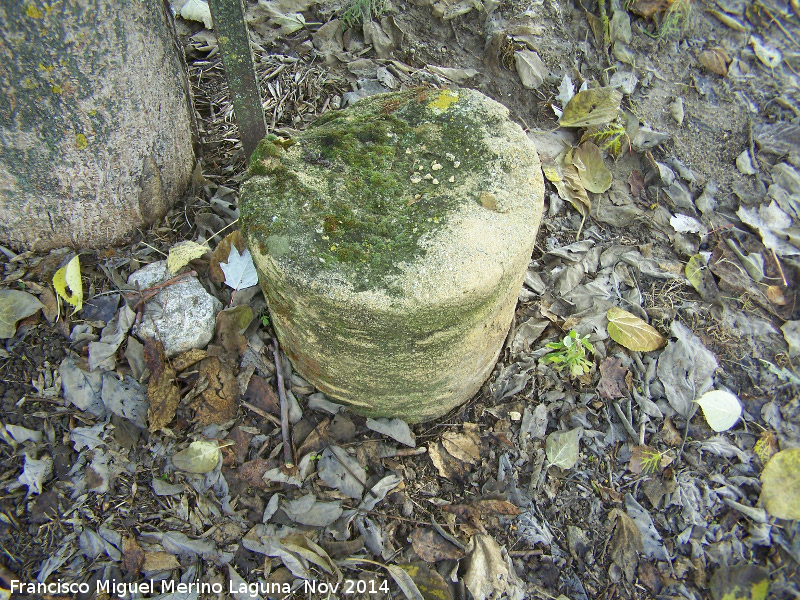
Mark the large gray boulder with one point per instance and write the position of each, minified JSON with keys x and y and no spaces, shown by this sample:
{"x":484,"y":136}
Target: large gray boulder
{"x":391,"y":241}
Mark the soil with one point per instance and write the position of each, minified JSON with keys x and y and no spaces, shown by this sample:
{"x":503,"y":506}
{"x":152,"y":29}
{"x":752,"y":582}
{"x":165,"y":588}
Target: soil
{"x":562,"y":530}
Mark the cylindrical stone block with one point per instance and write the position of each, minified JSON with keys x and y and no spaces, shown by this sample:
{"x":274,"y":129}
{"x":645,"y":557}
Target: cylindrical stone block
{"x":391,"y":240}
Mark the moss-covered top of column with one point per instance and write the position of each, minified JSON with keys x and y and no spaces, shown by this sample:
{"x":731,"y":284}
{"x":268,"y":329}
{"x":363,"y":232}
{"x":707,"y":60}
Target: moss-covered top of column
{"x":358,"y":192}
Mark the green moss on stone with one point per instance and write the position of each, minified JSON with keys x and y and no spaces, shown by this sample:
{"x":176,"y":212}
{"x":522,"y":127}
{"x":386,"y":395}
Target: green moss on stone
{"x":362,"y":186}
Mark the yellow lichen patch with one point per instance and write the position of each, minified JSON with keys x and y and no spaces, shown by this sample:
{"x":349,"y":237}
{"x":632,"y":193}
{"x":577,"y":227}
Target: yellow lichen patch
{"x":33,"y":12}
{"x":81,"y":142}
{"x":444,"y":100}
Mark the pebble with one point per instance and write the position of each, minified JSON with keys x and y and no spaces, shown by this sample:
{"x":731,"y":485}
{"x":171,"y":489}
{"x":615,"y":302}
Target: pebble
{"x":676,"y":110}
{"x":744,"y":164}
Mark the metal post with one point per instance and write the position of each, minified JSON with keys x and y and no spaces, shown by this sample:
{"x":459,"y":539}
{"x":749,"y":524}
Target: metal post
{"x":234,"y":45}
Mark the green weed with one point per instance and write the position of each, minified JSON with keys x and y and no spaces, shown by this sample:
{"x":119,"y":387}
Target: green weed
{"x":610,"y":137}
{"x":357,"y":11}
{"x":571,"y":353}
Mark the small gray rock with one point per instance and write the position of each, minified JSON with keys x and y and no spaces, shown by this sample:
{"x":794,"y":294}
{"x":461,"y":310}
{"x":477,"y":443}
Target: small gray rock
{"x":184,"y":314}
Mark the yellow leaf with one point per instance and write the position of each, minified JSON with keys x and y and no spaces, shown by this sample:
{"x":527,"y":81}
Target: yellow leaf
{"x":630,"y":331}
{"x":68,"y":285}
{"x":180,"y":255}
{"x":597,"y":106}
{"x":588,"y":159}
{"x":780,"y":485}
{"x":766,"y":447}
{"x":694,"y":270}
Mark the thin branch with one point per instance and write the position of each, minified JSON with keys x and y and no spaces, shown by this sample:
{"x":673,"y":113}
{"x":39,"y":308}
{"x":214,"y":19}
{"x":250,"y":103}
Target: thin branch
{"x":288,"y":459}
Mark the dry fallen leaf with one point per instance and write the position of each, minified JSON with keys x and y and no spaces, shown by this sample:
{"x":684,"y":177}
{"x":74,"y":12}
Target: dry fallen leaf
{"x":132,"y":555}
{"x":160,"y":561}
{"x":630,"y":331}
{"x":200,"y":457}
{"x":182,"y":253}
{"x":466,"y":447}
{"x":432,"y":547}
{"x":588,"y":159}
{"x":563,"y":447}
{"x":163,"y":393}
{"x":429,"y":582}
{"x":221,"y":253}
{"x":597,"y":106}
{"x":15,"y":305}
{"x":68,"y":285}
{"x":780,"y":485}
{"x":626,"y":543}
{"x":766,"y":447}
{"x":217,"y":403}
{"x":715,"y":60}
{"x":612,"y":382}
{"x":449,"y":467}
{"x":486,"y":573}
{"x":740,"y":582}
{"x":721,"y":409}
{"x":231,"y":322}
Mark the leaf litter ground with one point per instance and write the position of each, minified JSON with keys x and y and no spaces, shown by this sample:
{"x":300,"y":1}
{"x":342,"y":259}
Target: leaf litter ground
{"x":545,"y":485}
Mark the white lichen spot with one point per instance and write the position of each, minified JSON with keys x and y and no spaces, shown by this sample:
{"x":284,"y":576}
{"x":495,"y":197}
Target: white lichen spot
{"x":457,"y":164}
{"x":436,"y":166}
{"x":452,"y":179}
{"x":419,"y":168}
{"x":408,"y":150}
{"x":435,"y":181}
{"x":415,"y":179}
{"x":449,"y":156}
{"x":428,"y":176}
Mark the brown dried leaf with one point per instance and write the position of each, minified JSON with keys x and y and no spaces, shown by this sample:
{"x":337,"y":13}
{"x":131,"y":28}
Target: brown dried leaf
{"x":253,"y":472}
{"x":50,"y":302}
{"x":626,"y":543}
{"x":612,"y":382}
{"x":316,"y":440}
{"x":588,"y":159}
{"x":163,"y":393}
{"x":154,"y":356}
{"x":715,"y":60}
{"x":432,"y":547}
{"x":448,"y":467}
{"x":670,"y":434}
{"x":775,"y":295}
{"x":575,"y":192}
{"x":465,"y":447}
{"x":486,"y":573}
{"x":160,"y":561}
{"x":261,"y":395}
{"x":217,"y":403}
{"x":647,"y":8}
{"x":495,"y":507}
{"x":132,"y":555}
{"x":188,"y":359}
{"x":231,"y":322}
{"x":639,"y":459}
{"x":636,"y":181}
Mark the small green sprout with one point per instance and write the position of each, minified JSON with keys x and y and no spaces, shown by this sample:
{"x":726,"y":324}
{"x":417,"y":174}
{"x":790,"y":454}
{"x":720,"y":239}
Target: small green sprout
{"x":571,"y":352}
{"x":610,"y":137}
{"x":651,"y":461}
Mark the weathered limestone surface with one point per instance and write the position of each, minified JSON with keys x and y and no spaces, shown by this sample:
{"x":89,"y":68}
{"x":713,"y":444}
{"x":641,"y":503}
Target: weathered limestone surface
{"x":391,"y":240}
